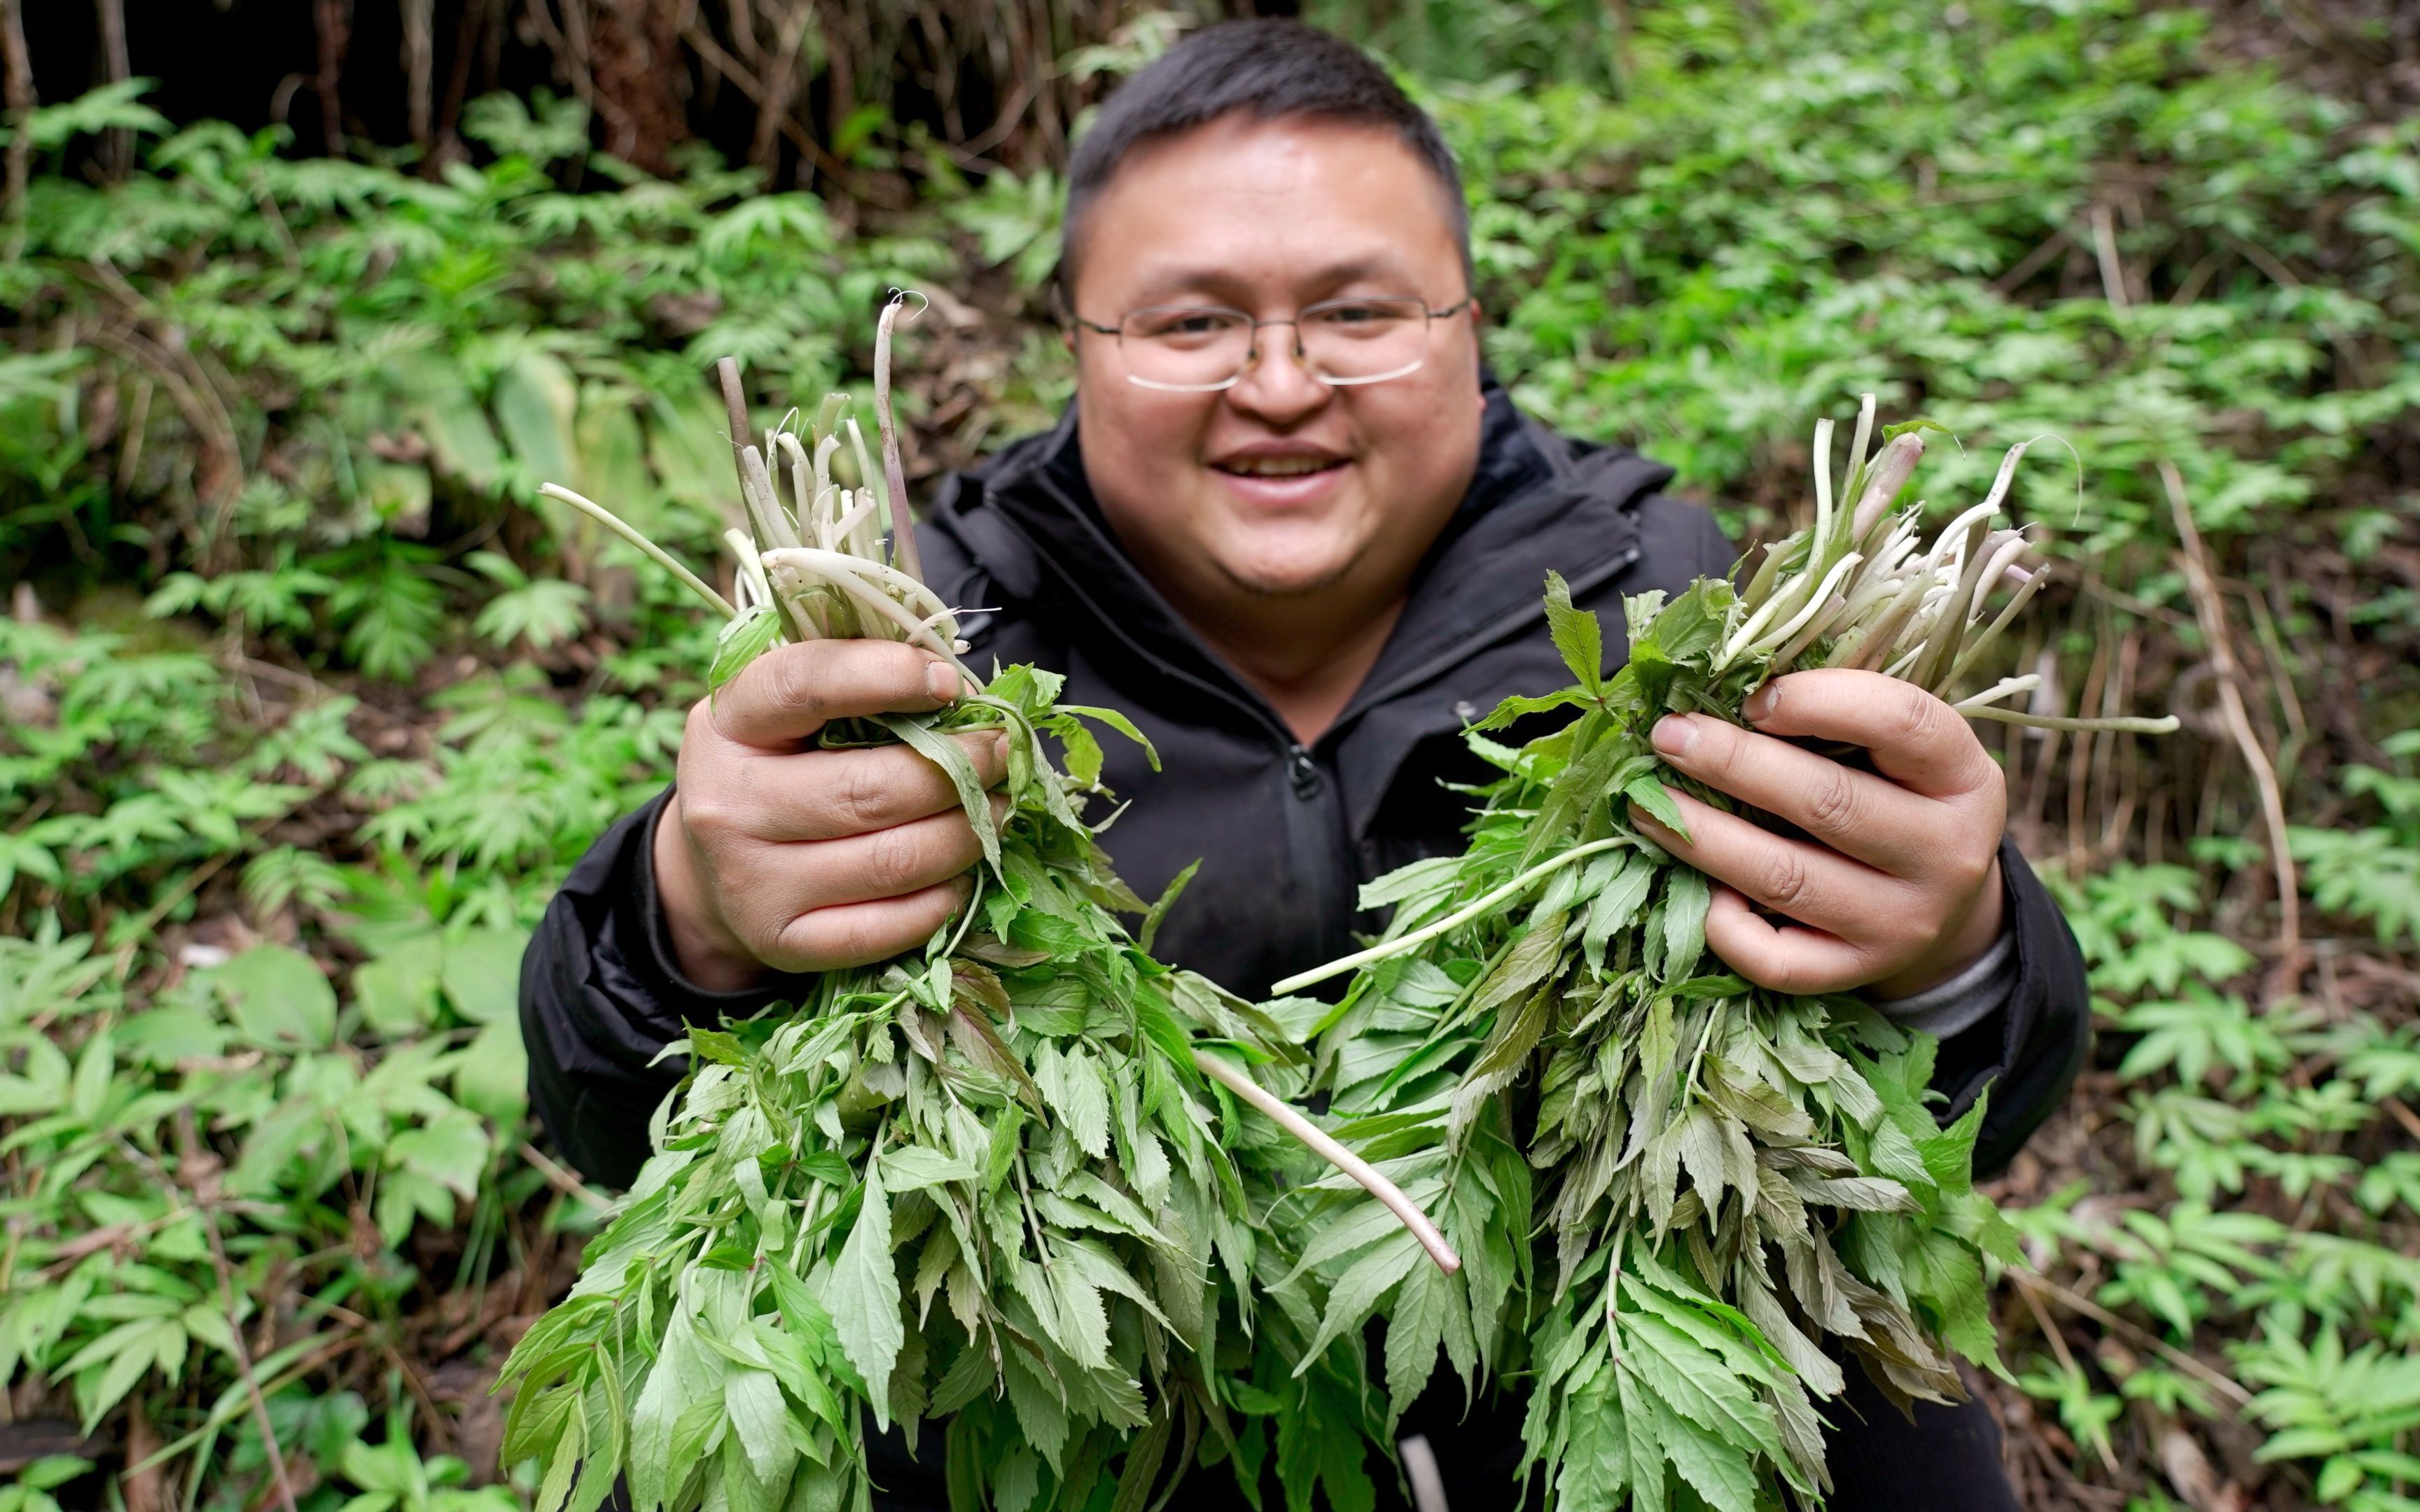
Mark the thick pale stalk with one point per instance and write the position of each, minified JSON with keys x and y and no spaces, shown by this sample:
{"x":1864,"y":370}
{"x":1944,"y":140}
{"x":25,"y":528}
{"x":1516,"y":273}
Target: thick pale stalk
{"x":1890,"y":473}
{"x":2005,"y":687}
{"x":1451,"y":921}
{"x":1977,"y":645}
{"x":1815,"y":605}
{"x":2001,"y":562}
{"x":1855,"y":478}
{"x":1273,"y":1108}
{"x":895,"y":476}
{"x":824,"y":564}
{"x":882,"y":604}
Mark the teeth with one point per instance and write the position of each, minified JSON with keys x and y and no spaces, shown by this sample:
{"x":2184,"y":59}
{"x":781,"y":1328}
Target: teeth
{"x":1277,"y":466}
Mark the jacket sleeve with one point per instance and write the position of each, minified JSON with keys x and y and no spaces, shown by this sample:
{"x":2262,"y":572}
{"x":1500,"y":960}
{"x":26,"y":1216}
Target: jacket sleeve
{"x":2024,"y":1057}
{"x":601,"y":999}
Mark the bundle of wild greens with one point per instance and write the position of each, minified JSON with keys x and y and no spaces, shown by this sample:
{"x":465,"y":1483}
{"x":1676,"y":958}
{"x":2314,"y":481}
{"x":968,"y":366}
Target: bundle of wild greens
{"x":1539,"y":1046}
{"x":983,"y":1181}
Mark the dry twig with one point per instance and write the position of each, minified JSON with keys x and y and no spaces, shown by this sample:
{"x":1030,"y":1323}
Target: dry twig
{"x":2030,"y":1283}
{"x":562,"y":1178}
{"x":19,"y":68}
{"x":2211,"y":610}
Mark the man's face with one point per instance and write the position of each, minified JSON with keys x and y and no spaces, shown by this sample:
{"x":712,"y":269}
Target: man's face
{"x":1280,"y":484}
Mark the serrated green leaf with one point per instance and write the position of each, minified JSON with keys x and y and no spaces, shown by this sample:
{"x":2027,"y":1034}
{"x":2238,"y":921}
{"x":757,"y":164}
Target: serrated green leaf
{"x":911,"y":1167}
{"x":1656,"y":800}
{"x":1358,"y":1290}
{"x":1686,"y":898}
{"x":1414,"y":1328}
{"x":1077,"y":1094}
{"x":862,"y":1294}
{"x":1575,"y":633}
{"x":952,"y":758}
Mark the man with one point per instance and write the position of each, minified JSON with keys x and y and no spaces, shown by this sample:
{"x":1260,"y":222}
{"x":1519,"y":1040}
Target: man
{"x":1294,"y":529}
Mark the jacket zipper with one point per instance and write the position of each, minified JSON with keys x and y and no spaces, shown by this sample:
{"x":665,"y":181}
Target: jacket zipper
{"x":1320,"y":852}
{"x":1304,"y":770}
{"x":1317,"y":848}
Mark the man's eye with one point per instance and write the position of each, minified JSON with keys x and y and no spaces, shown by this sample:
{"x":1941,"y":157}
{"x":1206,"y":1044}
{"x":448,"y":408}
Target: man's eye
{"x":1376,"y":313}
{"x":1185,"y":323}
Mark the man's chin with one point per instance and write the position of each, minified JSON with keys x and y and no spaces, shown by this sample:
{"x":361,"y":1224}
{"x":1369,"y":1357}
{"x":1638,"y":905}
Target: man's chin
{"x":1286,"y":579}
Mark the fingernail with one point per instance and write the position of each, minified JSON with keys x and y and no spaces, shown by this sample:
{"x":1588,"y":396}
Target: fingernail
{"x":941,"y":681}
{"x":1674,"y":734}
{"x":1761,"y":703}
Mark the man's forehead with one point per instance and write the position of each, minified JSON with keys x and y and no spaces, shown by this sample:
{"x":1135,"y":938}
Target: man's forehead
{"x":1332,"y":201}
{"x":1276,"y":155}
{"x":1192,"y":272}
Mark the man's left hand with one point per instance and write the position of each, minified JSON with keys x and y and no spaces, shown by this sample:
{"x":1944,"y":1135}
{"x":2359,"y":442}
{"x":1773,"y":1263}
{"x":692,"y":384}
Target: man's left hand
{"x":1901,"y":887}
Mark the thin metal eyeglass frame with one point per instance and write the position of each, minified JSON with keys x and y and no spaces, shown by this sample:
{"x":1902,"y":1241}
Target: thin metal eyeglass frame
{"x":1252,"y":354}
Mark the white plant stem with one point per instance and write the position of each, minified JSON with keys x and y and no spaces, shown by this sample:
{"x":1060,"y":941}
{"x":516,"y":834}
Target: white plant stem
{"x":822,"y":563}
{"x":1270,"y":1106}
{"x":1815,"y":605}
{"x":751,"y":564}
{"x":655,"y":553}
{"x":2112,"y":724}
{"x":2005,"y":687}
{"x":1451,"y":921}
{"x":1858,"y":452}
{"x":843,"y":574}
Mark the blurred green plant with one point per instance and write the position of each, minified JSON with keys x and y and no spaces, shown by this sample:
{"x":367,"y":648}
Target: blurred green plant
{"x":1768,"y":217}
{"x":307,"y":372}
{"x":335,"y":702}
{"x":2303,"y":1328}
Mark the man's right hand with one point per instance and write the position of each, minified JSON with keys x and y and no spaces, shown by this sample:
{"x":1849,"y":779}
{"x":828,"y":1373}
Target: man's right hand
{"x":775,"y":855}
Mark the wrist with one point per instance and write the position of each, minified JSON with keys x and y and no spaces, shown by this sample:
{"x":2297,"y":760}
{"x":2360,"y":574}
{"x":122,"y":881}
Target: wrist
{"x":704,"y":949}
{"x":1957,"y":947}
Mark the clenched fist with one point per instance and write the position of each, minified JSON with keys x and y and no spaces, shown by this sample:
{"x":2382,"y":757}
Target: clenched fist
{"x":775,"y":855}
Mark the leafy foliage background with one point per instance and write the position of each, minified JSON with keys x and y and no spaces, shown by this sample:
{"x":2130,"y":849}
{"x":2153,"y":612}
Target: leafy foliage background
{"x":307,"y":705}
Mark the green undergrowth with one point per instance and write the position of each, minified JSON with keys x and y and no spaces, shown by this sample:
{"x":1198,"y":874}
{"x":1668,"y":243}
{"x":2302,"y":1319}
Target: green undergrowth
{"x":2248,"y":1214}
{"x":306,"y":704}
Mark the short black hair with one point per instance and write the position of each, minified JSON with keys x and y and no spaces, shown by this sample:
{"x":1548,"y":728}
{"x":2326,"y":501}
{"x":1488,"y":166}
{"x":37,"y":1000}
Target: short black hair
{"x":1269,"y":66}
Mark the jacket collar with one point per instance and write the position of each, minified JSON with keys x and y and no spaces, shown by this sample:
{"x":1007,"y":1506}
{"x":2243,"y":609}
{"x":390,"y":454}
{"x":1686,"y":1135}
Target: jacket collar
{"x":1537,"y":502}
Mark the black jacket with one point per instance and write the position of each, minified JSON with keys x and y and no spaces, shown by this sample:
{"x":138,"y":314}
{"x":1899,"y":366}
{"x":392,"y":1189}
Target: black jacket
{"x":1285,"y":832}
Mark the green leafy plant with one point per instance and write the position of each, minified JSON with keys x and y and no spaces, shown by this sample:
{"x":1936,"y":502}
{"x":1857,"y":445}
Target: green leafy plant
{"x":1021,"y":1120}
{"x":2372,"y":872}
{"x":2159,"y":231}
{"x":1729,"y":1175}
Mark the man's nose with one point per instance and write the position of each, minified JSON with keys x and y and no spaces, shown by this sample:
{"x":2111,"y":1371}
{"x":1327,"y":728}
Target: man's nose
{"x":1278,"y":387}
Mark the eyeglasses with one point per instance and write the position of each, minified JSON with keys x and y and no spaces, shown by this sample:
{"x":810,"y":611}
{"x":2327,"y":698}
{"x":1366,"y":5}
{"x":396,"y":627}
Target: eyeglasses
{"x":1191,"y":348}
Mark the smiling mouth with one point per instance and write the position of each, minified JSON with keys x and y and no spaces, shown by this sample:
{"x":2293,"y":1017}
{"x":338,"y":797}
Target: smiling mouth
{"x":1277,"y":467}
